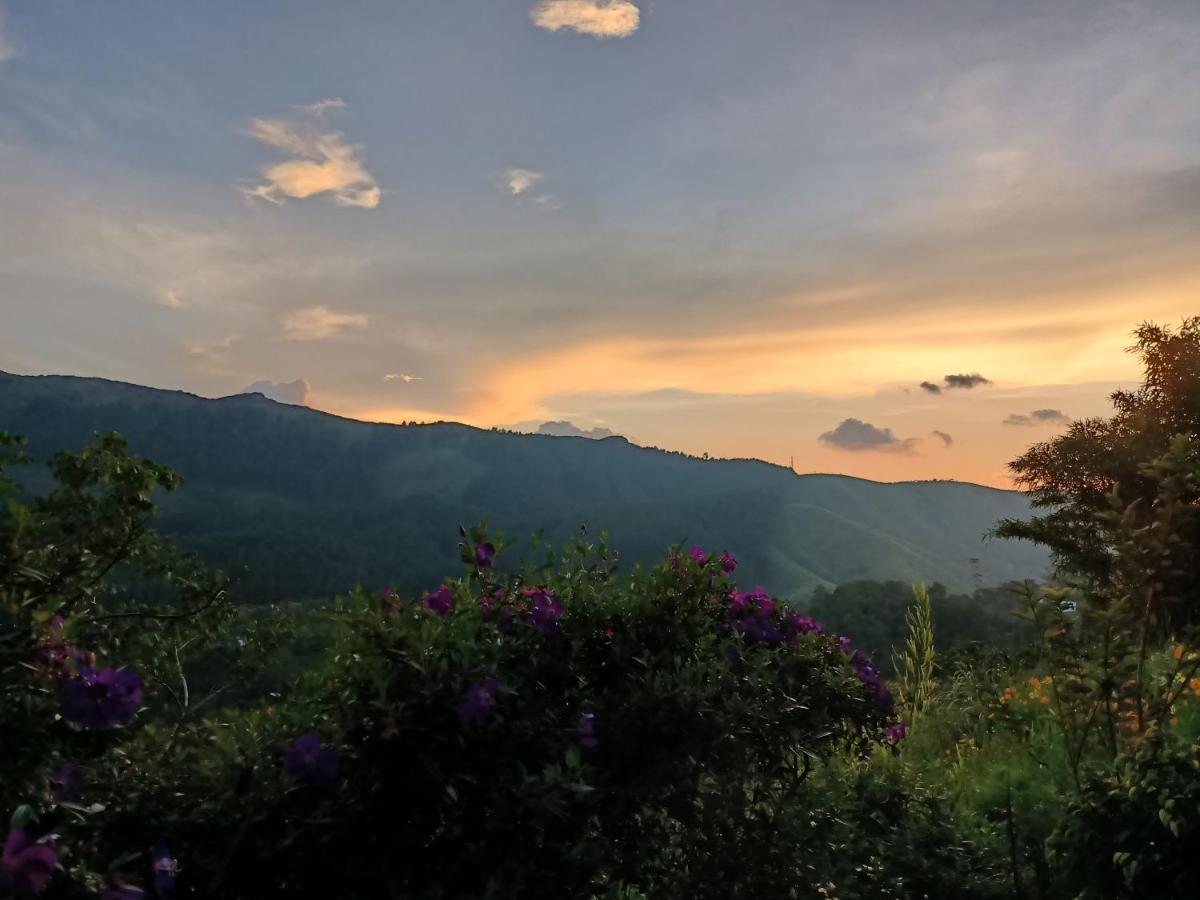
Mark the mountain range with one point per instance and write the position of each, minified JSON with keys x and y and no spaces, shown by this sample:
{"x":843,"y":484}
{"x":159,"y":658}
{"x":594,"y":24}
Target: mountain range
{"x":300,"y":504}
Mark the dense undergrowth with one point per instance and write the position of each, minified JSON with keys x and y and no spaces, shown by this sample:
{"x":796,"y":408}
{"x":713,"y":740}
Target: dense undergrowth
{"x":573,"y":729}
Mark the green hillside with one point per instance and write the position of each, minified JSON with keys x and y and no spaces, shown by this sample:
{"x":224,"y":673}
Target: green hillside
{"x":303,"y":503}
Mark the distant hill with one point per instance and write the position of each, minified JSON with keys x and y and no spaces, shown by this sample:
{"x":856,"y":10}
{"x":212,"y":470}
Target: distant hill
{"x":306,"y":504}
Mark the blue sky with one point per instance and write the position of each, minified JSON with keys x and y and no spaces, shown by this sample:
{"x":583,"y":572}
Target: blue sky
{"x":664,"y":218}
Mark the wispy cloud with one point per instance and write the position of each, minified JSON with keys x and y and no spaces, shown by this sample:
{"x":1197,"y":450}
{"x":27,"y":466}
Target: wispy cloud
{"x":8,"y":50}
{"x":402,"y":376}
{"x":600,"y":18}
{"x":317,"y":322}
{"x":321,"y":162}
{"x":946,"y":439}
{"x":521,"y":180}
{"x":170,"y":299}
{"x":214,"y":347}
{"x":323,"y":106}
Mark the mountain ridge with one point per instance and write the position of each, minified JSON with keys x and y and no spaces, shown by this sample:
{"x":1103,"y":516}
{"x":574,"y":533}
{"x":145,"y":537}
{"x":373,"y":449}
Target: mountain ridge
{"x":306,"y":499}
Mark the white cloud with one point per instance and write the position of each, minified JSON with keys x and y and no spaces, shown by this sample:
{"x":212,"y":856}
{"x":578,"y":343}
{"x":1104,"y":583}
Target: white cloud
{"x":297,"y":393}
{"x":521,"y":180}
{"x":601,"y":18}
{"x":318,"y":322}
{"x":322,"y":162}
{"x":401,"y":376}
{"x":170,"y":299}
{"x":324,"y":106}
{"x":8,"y":49}
{"x":566,"y":428}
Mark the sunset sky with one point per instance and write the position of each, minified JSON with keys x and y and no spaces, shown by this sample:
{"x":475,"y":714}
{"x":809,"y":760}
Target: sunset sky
{"x":743,"y":228}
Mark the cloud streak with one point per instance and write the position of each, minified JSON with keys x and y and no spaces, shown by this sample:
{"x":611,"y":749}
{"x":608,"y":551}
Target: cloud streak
{"x":599,"y":18}
{"x":8,"y":50}
{"x":319,"y":163}
{"x":1037,"y":417}
{"x":318,"y":322}
{"x":402,"y":376}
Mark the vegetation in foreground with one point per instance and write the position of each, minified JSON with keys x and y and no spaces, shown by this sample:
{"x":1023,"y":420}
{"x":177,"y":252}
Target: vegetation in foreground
{"x":569,"y":730}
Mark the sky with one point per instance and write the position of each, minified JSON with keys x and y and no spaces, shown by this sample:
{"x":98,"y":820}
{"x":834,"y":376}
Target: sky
{"x":744,"y":229}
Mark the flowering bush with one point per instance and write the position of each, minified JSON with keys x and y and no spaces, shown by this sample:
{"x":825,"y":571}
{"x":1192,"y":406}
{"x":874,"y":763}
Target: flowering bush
{"x":563,"y":730}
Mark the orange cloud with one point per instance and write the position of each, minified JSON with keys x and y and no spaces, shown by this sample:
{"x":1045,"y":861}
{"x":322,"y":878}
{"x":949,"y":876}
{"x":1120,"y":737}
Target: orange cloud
{"x":600,"y":18}
{"x":324,"y":163}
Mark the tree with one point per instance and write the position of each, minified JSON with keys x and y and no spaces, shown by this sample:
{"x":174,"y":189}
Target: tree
{"x":1104,"y":478}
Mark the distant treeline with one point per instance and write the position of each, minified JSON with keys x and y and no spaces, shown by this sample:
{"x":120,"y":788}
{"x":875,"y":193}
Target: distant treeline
{"x":874,"y":612}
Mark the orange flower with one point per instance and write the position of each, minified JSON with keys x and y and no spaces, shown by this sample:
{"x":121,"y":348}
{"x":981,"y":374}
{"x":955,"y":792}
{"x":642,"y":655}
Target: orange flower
{"x":1033,"y":682}
{"x":1194,"y":684}
{"x":1045,"y":699}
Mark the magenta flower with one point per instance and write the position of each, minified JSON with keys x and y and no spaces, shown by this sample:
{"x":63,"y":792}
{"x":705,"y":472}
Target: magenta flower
{"x":307,"y":763}
{"x":699,"y":555}
{"x":101,"y":700}
{"x":440,"y":601}
{"x":728,"y":562}
{"x":485,"y":555}
{"x":25,"y":866}
{"x":481,"y":700}
{"x":587,"y":731}
{"x":896,"y":732}
{"x":66,"y":785}
{"x":844,"y":644}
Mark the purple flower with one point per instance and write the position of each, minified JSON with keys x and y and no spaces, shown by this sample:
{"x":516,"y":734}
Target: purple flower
{"x":871,"y":678}
{"x":804,"y":624}
{"x":896,"y":732}
{"x":59,"y":659}
{"x":25,"y":867}
{"x":166,"y":870}
{"x":545,"y":610}
{"x":66,"y":784}
{"x":307,"y":763}
{"x":123,"y":892}
{"x":390,"y":600}
{"x":485,"y":555}
{"x":587,"y":731}
{"x":843,"y":643}
{"x":440,"y":601}
{"x":101,"y":700}
{"x":481,"y":700}
{"x":699,"y":555}
{"x":728,"y":562}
